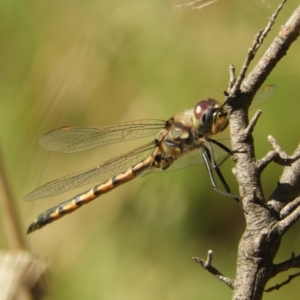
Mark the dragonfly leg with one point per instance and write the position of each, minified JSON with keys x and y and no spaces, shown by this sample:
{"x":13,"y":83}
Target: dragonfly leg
{"x":226,"y":149}
{"x":208,"y":158}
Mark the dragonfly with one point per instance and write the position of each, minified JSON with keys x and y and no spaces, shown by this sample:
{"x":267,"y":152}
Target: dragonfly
{"x":182,"y":140}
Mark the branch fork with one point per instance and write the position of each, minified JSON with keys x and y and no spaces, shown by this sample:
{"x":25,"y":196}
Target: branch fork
{"x":278,"y":155}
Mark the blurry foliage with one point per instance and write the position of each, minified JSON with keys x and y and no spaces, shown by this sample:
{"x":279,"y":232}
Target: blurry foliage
{"x":102,"y":62}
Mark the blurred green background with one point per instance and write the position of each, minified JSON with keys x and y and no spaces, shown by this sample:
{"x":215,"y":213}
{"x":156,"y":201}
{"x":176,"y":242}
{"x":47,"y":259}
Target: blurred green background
{"x":102,"y":62}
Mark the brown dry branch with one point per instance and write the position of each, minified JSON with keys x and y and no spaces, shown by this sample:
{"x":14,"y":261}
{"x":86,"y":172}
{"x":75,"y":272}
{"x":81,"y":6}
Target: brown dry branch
{"x":258,"y":40}
{"x":278,"y":286}
{"x":293,"y":262}
{"x":206,"y":264}
{"x":260,"y":241}
{"x":266,"y":221}
{"x":278,"y":155}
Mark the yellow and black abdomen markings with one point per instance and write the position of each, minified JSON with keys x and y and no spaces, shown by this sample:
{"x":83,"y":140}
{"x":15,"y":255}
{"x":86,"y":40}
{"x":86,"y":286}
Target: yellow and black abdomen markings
{"x":69,"y":206}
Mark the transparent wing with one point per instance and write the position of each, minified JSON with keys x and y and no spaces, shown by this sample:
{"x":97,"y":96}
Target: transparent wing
{"x":263,"y":94}
{"x":115,"y":166}
{"x":101,"y":173}
{"x":76,"y":139}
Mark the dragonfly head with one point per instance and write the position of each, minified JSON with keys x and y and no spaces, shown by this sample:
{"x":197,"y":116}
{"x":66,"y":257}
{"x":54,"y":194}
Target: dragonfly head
{"x":210,"y":117}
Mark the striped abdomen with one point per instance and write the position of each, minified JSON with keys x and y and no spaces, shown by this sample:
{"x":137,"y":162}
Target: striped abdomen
{"x":69,"y":206}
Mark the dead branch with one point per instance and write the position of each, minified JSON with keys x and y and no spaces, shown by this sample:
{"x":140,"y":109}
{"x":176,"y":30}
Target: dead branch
{"x":278,"y":156}
{"x":278,"y":286}
{"x":206,"y":264}
{"x":264,"y":228}
{"x":261,"y":239}
{"x":252,"y":124}
{"x":258,"y":40}
{"x":277,"y":50}
{"x":293,"y":262}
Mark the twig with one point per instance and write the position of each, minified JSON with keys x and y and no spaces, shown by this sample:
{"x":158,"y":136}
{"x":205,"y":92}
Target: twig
{"x":258,"y":40}
{"x":277,"y":147}
{"x":287,"y":35}
{"x":279,"y":156}
{"x":251,"y":53}
{"x":206,"y":264}
{"x":278,"y":286}
{"x":293,"y":262}
{"x":243,"y":83}
{"x":249,"y":129}
{"x":231,"y":77}
{"x":284,"y":159}
{"x":271,"y":22}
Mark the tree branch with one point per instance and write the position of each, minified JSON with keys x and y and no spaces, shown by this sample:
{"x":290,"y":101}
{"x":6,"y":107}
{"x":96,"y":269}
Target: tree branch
{"x":206,"y":264}
{"x":249,"y":129}
{"x":261,"y":239}
{"x":279,"y":156}
{"x":278,"y":49}
{"x":293,"y":262}
{"x":258,"y":40}
{"x":264,"y":229}
{"x":278,"y":286}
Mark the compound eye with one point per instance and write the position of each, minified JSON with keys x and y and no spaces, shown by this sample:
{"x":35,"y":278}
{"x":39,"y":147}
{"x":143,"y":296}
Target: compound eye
{"x":203,"y":116}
